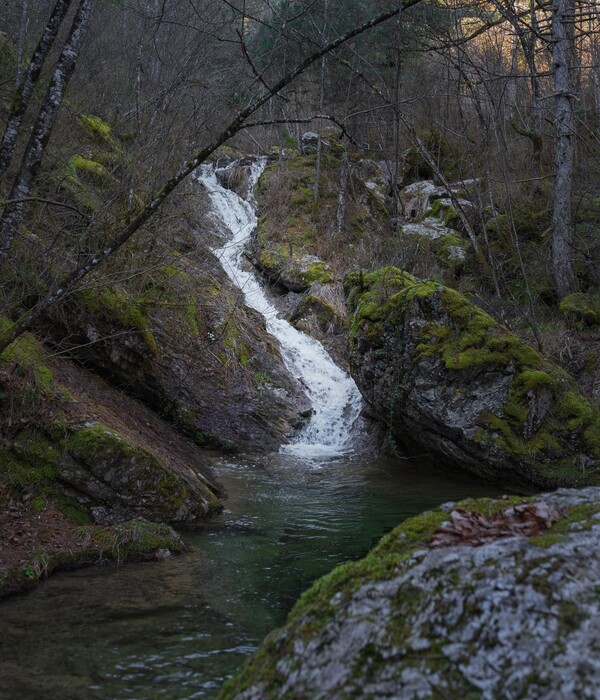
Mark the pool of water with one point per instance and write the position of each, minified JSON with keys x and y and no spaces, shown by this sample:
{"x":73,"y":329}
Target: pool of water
{"x":178,"y":628}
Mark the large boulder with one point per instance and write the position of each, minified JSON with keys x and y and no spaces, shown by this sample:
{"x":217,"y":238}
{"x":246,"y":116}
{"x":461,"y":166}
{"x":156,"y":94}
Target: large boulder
{"x":450,"y":382}
{"x":511,"y":615}
{"x":95,"y":453}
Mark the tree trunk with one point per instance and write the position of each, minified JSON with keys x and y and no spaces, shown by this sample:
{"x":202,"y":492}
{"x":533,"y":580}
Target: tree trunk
{"x":25,"y":88}
{"x":562,"y":221}
{"x":32,"y":158}
{"x":343,"y":193}
{"x":21,"y":42}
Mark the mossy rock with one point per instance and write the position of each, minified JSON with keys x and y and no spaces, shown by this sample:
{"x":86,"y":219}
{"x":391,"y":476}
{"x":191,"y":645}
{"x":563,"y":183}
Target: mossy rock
{"x":441,"y":373}
{"x":115,"y":306}
{"x":294,"y":273}
{"x":88,"y":169}
{"x":120,"y":480}
{"x":433,"y":236}
{"x":97,"y":129}
{"x":582,"y":309}
{"x":410,"y":618}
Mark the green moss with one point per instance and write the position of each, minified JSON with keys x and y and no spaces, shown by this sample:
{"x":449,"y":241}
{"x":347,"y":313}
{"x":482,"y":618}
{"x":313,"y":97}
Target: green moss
{"x":546,"y":540}
{"x":465,"y":338}
{"x":27,"y":356}
{"x":444,"y":211}
{"x":78,"y":166}
{"x":114,"y":305}
{"x":25,"y":350}
{"x":97,"y":442}
{"x":582,"y":309}
{"x":95,"y":127}
{"x":318,"y":272}
{"x":19,"y":474}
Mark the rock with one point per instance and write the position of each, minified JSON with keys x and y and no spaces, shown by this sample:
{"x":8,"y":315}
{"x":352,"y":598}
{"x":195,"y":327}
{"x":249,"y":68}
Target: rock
{"x":416,"y":199}
{"x":582,"y":309}
{"x":118,"y":480}
{"x":292,"y":273}
{"x":93,"y":452}
{"x":425,"y":199}
{"x":514,"y":617}
{"x":449,"y":381}
{"x":317,"y":313}
{"x":236,"y":176}
{"x":309,"y":143}
{"x":446,"y":243}
{"x":182,"y":339}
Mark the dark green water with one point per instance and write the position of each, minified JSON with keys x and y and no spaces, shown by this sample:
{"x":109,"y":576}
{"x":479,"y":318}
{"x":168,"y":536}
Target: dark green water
{"x":178,"y":628}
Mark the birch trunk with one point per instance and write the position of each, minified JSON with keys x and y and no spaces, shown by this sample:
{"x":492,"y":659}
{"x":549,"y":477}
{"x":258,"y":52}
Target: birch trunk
{"x":32,"y":158}
{"x":25,"y":87}
{"x":562,"y":223}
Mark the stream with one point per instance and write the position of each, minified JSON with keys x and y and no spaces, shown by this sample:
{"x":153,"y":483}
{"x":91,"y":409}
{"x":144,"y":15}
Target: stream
{"x":178,"y":628}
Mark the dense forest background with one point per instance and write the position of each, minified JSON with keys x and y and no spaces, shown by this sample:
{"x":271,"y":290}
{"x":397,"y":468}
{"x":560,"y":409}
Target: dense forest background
{"x":506,"y":92}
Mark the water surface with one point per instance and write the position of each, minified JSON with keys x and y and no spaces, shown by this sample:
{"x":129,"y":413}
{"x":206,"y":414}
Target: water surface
{"x":178,"y":628}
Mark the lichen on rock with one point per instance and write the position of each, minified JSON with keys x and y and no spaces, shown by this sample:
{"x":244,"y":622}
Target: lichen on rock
{"x":515,"y":617}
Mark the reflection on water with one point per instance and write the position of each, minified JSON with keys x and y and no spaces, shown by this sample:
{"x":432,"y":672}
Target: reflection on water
{"x":178,"y":628}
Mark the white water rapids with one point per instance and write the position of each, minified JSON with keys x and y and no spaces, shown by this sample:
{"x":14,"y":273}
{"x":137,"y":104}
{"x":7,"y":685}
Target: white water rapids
{"x":334,"y":396}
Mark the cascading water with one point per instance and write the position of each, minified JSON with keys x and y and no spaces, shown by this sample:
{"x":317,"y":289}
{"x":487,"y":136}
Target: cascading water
{"x":335,"y":398}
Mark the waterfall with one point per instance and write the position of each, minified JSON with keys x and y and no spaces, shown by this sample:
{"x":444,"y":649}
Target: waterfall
{"x":334,"y":396}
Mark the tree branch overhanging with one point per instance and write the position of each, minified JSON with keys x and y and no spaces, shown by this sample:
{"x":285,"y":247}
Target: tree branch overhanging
{"x":235,"y":125}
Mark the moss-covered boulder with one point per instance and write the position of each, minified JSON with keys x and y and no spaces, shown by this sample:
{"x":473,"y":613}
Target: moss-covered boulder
{"x":582,"y":309}
{"x":118,"y":480}
{"x":293,"y":273}
{"x":450,"y":382}
{"x":516,"y":616}
{"x":435,"y":237}
{"x":94,"y":453}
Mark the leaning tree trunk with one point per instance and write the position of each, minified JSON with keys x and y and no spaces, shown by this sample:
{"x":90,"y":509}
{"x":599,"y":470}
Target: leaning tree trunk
{"x":32,"y":158}
{"x":25,"y":88}
{"x":562,"y":221}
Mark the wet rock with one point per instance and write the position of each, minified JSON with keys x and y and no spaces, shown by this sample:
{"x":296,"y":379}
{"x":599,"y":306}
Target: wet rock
{"x":514,"y":617}
{"x":236,"y":176}
{"x":292,"y":273}
{"x":448,"y":381}
{"x":317,"y":314}
{"x":182,"y":340}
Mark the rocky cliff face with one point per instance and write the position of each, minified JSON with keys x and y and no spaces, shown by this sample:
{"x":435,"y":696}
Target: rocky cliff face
{"x":180,"y":339}
{"x":448,"y":380}
{"x":516,"y":616}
